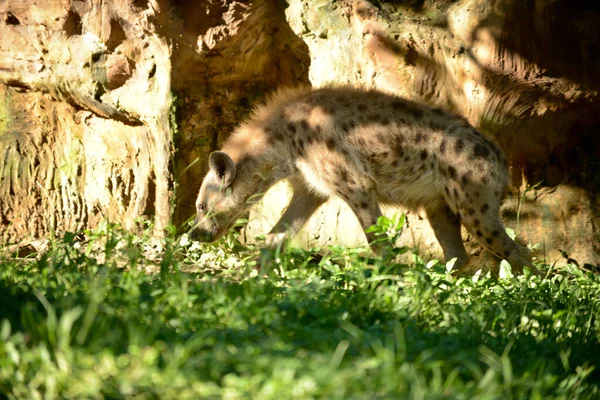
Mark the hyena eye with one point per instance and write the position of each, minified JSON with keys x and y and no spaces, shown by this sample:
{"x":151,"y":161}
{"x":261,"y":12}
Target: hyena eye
{"x":201,"y":207}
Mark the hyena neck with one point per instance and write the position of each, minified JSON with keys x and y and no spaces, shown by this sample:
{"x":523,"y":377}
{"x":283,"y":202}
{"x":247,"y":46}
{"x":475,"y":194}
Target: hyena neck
{"x":257,"y":172}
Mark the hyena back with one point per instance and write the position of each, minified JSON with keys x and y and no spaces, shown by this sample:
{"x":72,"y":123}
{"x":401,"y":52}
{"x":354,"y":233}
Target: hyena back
{"x":368,"y":148}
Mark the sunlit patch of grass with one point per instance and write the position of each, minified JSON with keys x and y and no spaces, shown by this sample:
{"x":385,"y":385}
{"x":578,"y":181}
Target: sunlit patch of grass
{"x":109,"y":314}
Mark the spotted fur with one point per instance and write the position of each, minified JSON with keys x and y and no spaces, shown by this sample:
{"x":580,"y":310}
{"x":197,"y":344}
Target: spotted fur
{"x":368,"y":148}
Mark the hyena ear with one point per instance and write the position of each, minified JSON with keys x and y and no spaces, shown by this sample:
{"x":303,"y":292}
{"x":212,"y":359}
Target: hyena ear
{"x":223,"y":166}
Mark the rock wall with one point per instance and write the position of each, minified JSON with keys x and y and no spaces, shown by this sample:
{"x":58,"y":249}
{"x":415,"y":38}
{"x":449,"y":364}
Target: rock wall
{"x":84,"y":116}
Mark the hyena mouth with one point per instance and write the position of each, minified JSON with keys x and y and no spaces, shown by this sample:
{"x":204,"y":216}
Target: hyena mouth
{"x":205,"y":235}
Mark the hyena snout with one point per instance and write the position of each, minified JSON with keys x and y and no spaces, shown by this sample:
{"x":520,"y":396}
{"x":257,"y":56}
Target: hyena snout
{"x":204,"y":230}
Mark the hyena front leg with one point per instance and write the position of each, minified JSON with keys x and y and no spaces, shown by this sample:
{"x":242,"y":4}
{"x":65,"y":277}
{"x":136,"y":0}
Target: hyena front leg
{"x":303,"y":204}
{"x":446,"y":227}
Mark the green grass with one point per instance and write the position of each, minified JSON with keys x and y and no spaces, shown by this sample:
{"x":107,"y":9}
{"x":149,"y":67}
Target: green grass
{"x":119,"y":316}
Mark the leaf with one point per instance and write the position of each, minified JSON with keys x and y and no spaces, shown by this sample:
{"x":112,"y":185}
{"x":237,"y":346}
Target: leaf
{"x":5,"y":330}
{"x":476,"y":276}
{"x":450,"y":264}
{"x":511,"y":233}
{"x":505,"y":270}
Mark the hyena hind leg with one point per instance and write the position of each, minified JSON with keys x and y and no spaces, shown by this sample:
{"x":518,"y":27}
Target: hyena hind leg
{"x":446,"y":227}
{"x":491,"y":234}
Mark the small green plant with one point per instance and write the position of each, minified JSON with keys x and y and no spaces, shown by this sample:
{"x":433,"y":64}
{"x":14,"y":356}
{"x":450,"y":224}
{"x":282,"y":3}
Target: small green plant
{"x":107,"y":314}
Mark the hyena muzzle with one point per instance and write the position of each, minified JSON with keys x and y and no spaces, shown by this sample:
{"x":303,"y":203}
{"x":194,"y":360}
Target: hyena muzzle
{"x":368,"y":148}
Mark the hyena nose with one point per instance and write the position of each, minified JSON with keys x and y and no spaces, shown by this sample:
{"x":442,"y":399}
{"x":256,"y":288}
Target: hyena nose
{"x":201,"y":235}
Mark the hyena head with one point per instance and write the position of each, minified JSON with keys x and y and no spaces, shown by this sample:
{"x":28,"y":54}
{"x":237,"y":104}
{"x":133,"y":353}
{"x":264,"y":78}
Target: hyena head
{"x":217,"y":206}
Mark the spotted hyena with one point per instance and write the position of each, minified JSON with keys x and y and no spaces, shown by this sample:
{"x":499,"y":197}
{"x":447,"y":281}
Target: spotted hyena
{"x":368,"y":148}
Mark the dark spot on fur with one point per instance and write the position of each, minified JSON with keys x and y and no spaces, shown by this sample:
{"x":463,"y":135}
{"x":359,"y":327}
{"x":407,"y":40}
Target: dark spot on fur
{"x":498,"y":194}
{"x":398,"y":105}
{"x":419,"y":138}
{"x":452,"y":172}
{"x":423,"y":154}
{"x":399,"y":150}
{"x":330,"y":144}
{"x":373,"y":117}
{"x":447,"y":190}
{"x":456,"y":195}
{"x":267,"y":130}
{"x":443,"y":146}
{"x":478,"y":233}
{"x":417,"y":113}
{"x":395,"y":163}
{"x":476,"y":223}
{"x":275,"y":137}
{"x":495,"y":233}
{"x":347,"y":126}
{"x":438,"y":112}
{"x":361,"y":107}
{"x":484,"y":208}
{"x":364,"y":205}
{"x":299,"y":145}
{"x":507,"y":253}
{"x":489,"y":240}
{"x":459,"y":146}
{"x":318,"y":129}
{"x":479,"y":150}
{"x":465,"y":178}
{"x":342,"y":173}
{"x":304,"y":125}
{"x":470,"y":211}
{"x":291,"y":127}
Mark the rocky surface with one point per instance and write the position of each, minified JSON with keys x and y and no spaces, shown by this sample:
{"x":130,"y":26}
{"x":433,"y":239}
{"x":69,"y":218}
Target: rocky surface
{"x":84,"y":111}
